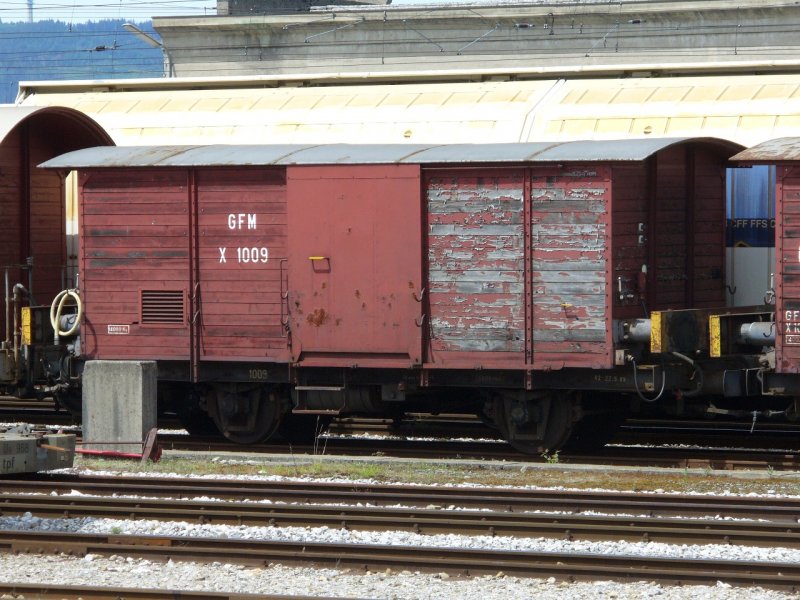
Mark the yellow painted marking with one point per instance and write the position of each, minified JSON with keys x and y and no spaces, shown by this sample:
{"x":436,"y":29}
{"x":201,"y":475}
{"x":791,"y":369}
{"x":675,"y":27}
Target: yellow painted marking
{"x":655,"y":332}
{"x":715,"y":335}
{"x":27,"y":334}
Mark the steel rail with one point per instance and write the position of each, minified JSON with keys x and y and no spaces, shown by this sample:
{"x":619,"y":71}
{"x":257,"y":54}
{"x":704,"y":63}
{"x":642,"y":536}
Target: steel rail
{"x":739,"y":441}
{"x":44,"y":591}
{"x":421,"y":521}
{"x":700,"y":424}
{"x":38,"y":416}
{"x":367,"y":557}
{"x":11,"y":402}
{"x":509,"y":498}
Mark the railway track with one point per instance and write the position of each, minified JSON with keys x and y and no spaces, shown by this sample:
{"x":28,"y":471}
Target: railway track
{"x":481,"y":511}
{"x":35,"y":413}
{"x":728,"y":434}
{"x":777,"y":509}
{"x":370,"y":557}
{"x":423,"y":521}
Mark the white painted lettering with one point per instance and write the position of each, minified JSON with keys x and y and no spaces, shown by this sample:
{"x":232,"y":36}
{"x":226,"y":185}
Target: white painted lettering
{"x":254,"y":255}
{"x":222,"y":255}
{"x":237,"y":220}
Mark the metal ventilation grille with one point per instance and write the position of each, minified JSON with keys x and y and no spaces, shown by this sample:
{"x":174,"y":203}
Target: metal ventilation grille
{"x":162,"y":307}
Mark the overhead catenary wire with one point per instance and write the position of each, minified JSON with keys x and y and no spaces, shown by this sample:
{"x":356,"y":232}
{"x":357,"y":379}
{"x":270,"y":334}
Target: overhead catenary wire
{"x":110,"y":9}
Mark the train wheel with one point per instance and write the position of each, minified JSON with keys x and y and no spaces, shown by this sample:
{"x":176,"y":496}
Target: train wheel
{"x":245,"y":414}
{"x":70,"y":400}
{"x":539,"y":423}
{"x":196,"y":421}
{"x":185,"y":402}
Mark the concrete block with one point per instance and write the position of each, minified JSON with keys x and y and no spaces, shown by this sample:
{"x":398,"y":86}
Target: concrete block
{"x":28,"y":453}
{"x":119,"y":404}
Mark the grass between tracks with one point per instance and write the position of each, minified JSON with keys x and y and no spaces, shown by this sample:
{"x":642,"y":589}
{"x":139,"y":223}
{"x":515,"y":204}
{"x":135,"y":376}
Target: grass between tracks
{"x":430,"y":472}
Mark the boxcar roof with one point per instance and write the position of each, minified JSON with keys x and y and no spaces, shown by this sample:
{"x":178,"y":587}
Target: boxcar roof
{"x":262,"y":155}
{"x":772,"y":151}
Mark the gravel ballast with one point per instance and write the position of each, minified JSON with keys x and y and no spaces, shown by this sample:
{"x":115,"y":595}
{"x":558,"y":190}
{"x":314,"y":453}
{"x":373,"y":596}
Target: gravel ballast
{"x":218,"y":577}
{"x":118,"y":571}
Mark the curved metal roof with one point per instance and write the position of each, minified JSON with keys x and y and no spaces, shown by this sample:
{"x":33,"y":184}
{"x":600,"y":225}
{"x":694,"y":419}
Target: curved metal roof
{"x":783,"y":149}
{"x":11,"y":116}
{"x":747,"y":109}
{"x":262,"y":155}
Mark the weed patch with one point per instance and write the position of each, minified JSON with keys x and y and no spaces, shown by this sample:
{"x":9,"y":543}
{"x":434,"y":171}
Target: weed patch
{"x":428,"y":472}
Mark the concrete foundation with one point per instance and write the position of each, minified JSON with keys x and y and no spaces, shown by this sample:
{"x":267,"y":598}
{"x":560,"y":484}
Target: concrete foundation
{"x":119,"y":404}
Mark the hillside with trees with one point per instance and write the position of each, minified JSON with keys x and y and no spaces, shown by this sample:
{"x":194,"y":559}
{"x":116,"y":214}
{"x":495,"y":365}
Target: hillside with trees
{"x":55,"y":50}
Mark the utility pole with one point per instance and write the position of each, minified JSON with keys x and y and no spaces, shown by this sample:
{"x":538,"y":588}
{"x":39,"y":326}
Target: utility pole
{"x":30,"y":11}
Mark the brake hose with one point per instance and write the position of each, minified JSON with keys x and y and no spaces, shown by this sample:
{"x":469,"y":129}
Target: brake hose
{"x":55,"y":312}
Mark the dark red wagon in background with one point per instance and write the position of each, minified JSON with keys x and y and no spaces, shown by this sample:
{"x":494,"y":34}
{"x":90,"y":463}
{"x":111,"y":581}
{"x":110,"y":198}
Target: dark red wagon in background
{"x":782,"y":359}
{"x":535,"y":284}
{"x":35,"y":246}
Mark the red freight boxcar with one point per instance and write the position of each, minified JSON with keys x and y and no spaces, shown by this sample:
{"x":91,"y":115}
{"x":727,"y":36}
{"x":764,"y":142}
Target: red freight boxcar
{"x":33,"y":242}
{"x":778,"y":332}
{"x":516,"y":280}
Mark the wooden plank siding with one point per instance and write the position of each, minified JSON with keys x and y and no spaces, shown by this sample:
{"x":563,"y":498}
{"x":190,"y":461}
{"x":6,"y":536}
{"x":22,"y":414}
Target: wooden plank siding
{"x":476,"y":262}
{"x":223,"y":261}
{"x":32,"y":213}
{"x":669,"y":230}
{"x":570,"y":237}
{"x":631,"y":219}
{"x":48,"y":241}
{"x":134,"y":238}
{"x":687,"y":225}
{"x":241,"y":243}
{"x":787,"y":278}
{"x":11,"y":213}
{"x":708,"y":232}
